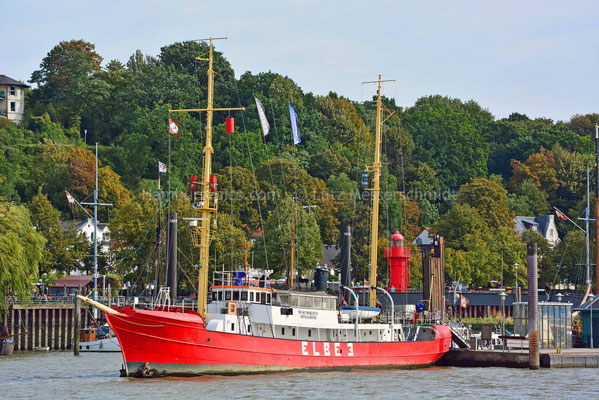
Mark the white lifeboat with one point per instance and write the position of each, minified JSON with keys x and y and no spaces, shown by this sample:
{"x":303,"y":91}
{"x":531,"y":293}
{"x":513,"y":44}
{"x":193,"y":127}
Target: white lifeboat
{"x":363,"y":312}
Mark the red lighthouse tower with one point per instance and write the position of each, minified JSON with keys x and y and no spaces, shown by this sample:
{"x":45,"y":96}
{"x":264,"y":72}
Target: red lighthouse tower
{"x":398,"y":257}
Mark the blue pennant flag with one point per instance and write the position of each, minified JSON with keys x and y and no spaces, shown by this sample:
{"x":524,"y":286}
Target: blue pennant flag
{"x":294,"y":125}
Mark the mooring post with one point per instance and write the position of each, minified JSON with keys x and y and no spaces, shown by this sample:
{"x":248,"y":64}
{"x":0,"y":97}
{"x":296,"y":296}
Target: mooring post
{"x":533,"y":307}
{"x":77,"y":329}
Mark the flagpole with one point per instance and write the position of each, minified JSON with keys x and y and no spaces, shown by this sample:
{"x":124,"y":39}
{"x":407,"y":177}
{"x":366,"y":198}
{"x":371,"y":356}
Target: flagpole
{"x":158,"y":232}
{"x":96,"y":237}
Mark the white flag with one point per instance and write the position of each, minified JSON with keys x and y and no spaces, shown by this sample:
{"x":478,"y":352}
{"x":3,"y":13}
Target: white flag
{"x":262,"y":116}
{"x":161,"y":167}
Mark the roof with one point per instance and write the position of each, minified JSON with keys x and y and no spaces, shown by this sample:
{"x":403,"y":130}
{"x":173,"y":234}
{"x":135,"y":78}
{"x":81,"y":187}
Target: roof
{"x":5,"y":80}
{"x":540,"y":223}
{"x":329,"y":252}
{"x":587,"y":305}
{"x":424,"y":239}
{"x":78,"y":224}
{"x":74,"y":281}
{"x":81,"y":280}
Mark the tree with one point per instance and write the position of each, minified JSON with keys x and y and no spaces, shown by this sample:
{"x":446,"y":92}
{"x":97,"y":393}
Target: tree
{"x":64,"y":71}
{"x":133,"y":232}
{"x":448,"y":136}
{"x":539,"y":169}
{"x":82,"y":171}
{"x":64,"y":249}
{"x":20,"y":253}
{"x":308,"y":245}
{"x":490,"y":200}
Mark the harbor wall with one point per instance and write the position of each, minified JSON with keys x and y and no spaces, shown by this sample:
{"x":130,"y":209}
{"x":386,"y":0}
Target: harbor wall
{"x":44,"y":325}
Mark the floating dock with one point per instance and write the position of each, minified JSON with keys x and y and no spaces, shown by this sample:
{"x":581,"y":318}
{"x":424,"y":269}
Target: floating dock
{"x":570,"y":358}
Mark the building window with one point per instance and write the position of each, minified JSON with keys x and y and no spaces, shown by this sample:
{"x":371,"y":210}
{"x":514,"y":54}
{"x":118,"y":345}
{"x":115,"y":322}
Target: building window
{"x":13,"y":106}
{"x":13,"y":91}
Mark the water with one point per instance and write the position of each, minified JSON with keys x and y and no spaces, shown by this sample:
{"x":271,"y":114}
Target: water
{"x":60,"y":375}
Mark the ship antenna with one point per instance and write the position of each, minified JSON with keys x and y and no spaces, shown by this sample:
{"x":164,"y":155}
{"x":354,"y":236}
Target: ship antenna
{"x":206,"y":210}
{"x":375,"y":168}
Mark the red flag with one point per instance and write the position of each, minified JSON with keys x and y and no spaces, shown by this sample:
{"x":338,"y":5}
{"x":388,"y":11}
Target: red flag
{"x":561,"y":216}
{"x":70,"y":198}
{"x":464,"y":302}
{"x":173,"y":128}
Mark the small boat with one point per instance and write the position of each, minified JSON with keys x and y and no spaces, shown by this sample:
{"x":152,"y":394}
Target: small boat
{"x":6,"y":347}
{"x":98,"y":340}
{"x":363,"y":312}
{"x":43,"y":348}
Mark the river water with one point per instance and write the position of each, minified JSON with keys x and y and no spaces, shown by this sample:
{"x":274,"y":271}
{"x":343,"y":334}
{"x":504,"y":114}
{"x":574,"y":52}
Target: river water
{"x":60,"y":375}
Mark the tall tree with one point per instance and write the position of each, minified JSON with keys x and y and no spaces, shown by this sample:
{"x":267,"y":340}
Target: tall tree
{"x":448,"y":135}
{"x":20,"y":253}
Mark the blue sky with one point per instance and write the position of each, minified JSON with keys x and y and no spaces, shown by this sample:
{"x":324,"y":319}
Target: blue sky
{"x":540,"y":58}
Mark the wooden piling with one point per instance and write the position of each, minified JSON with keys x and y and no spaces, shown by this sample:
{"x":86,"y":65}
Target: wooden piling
{"x":533,"y":307}
{"x":77,"y":324}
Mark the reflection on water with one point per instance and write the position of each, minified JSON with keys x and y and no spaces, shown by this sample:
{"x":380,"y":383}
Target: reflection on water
{"x":59,"y":375}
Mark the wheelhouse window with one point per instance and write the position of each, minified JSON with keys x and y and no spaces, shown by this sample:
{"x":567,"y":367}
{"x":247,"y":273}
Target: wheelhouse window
{"x":236,"y":295}
{"x":309,"y":332}
{"x":220,"y":295}
{"x":244,"y":295}
{"x":251,"y":296}
{"x":283,"y":331}
{"x":214,"y":296}
{"x":267,"y":298}
{"x":228,"y":295}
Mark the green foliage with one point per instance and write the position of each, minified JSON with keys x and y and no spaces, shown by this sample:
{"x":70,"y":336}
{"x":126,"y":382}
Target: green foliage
{"x":308,"y":244}
{"x":448,"y":135}
{"x":20,"y":253}
{"x":436,"y":146}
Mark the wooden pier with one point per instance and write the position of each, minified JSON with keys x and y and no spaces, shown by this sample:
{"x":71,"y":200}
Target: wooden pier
{"x":48,"y":324}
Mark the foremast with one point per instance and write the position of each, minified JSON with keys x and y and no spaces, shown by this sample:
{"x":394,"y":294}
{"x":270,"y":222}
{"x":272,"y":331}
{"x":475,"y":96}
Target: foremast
{"x":375,"y":168}
{"x":204,"y":202}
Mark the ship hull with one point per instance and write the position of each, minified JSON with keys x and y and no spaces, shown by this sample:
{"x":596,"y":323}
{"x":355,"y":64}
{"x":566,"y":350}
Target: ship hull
{"x":156,"y":343}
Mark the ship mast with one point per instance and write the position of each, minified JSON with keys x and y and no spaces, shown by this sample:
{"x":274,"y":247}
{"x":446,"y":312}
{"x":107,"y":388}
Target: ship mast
{"x":375,"y":168}
{"x":204,"y":200}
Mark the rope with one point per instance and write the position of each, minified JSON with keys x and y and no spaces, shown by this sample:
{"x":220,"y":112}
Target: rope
{"x":254,"y":175}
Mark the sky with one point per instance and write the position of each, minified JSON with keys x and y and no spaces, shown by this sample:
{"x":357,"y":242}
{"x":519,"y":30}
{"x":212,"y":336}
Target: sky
{"x":539,"y":58}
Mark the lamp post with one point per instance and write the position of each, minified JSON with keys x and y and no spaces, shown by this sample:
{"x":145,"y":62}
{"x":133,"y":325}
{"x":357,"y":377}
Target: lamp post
{"x":591,"y":298}
{"x":559,"y":297}
{"x":502,"y":295}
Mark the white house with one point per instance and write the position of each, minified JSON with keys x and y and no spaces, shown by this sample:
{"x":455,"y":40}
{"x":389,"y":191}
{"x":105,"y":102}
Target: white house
{"x":86,"y":227}
{"x":544,"y":224}
{"x":12,"y":99}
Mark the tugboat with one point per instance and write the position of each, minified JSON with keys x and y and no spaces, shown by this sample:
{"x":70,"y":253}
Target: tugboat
{"x":241,"y":329}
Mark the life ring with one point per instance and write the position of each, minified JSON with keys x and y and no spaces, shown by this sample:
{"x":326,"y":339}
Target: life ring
{"x":231,"y":308}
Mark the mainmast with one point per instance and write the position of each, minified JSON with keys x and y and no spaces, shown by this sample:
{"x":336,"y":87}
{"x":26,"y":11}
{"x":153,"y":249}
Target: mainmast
{"x":204,"y":201}
{"x":375,"y":168}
